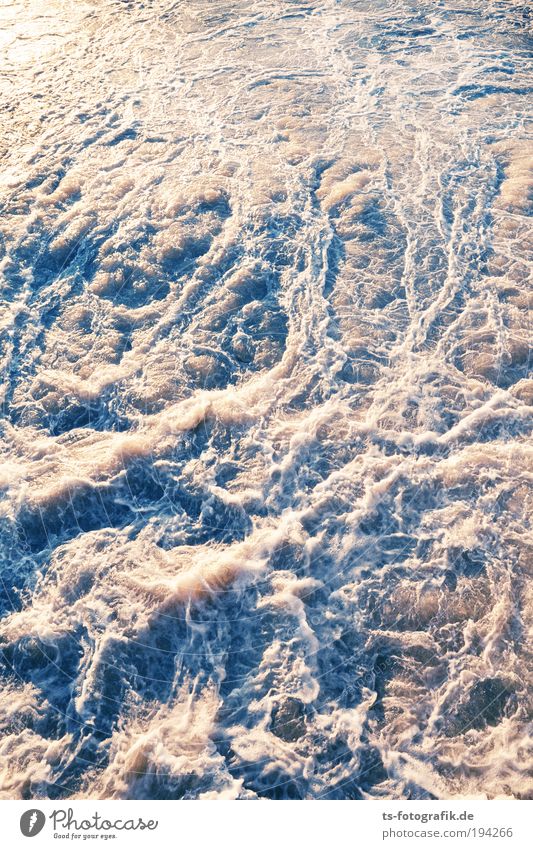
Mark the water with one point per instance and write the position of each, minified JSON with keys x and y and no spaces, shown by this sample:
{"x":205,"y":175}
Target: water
{"x":266,"y":399}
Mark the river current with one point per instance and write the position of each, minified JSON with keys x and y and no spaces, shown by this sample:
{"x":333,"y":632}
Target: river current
{"x":266,"y":466}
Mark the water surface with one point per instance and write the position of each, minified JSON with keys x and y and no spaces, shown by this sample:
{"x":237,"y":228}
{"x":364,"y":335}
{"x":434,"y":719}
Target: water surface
{"x":266,"y":396}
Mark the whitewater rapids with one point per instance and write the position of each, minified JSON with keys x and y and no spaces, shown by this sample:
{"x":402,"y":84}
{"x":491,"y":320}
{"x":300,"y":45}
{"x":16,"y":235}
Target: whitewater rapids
{"x":266,"y":457}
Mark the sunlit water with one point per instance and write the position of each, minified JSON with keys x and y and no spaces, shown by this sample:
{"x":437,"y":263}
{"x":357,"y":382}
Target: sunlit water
{"x":266,"y":399}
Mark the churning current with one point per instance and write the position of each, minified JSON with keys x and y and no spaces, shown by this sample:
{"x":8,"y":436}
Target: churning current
{"x":266,"y":400}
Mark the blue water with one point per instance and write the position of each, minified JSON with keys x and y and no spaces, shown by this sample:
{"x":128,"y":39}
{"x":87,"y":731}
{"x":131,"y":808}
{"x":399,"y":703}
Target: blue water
{"x":266,"y":399}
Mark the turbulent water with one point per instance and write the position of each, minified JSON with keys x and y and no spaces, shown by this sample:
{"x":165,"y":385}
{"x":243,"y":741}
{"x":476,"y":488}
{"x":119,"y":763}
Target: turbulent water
{"x":266,"y":399}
